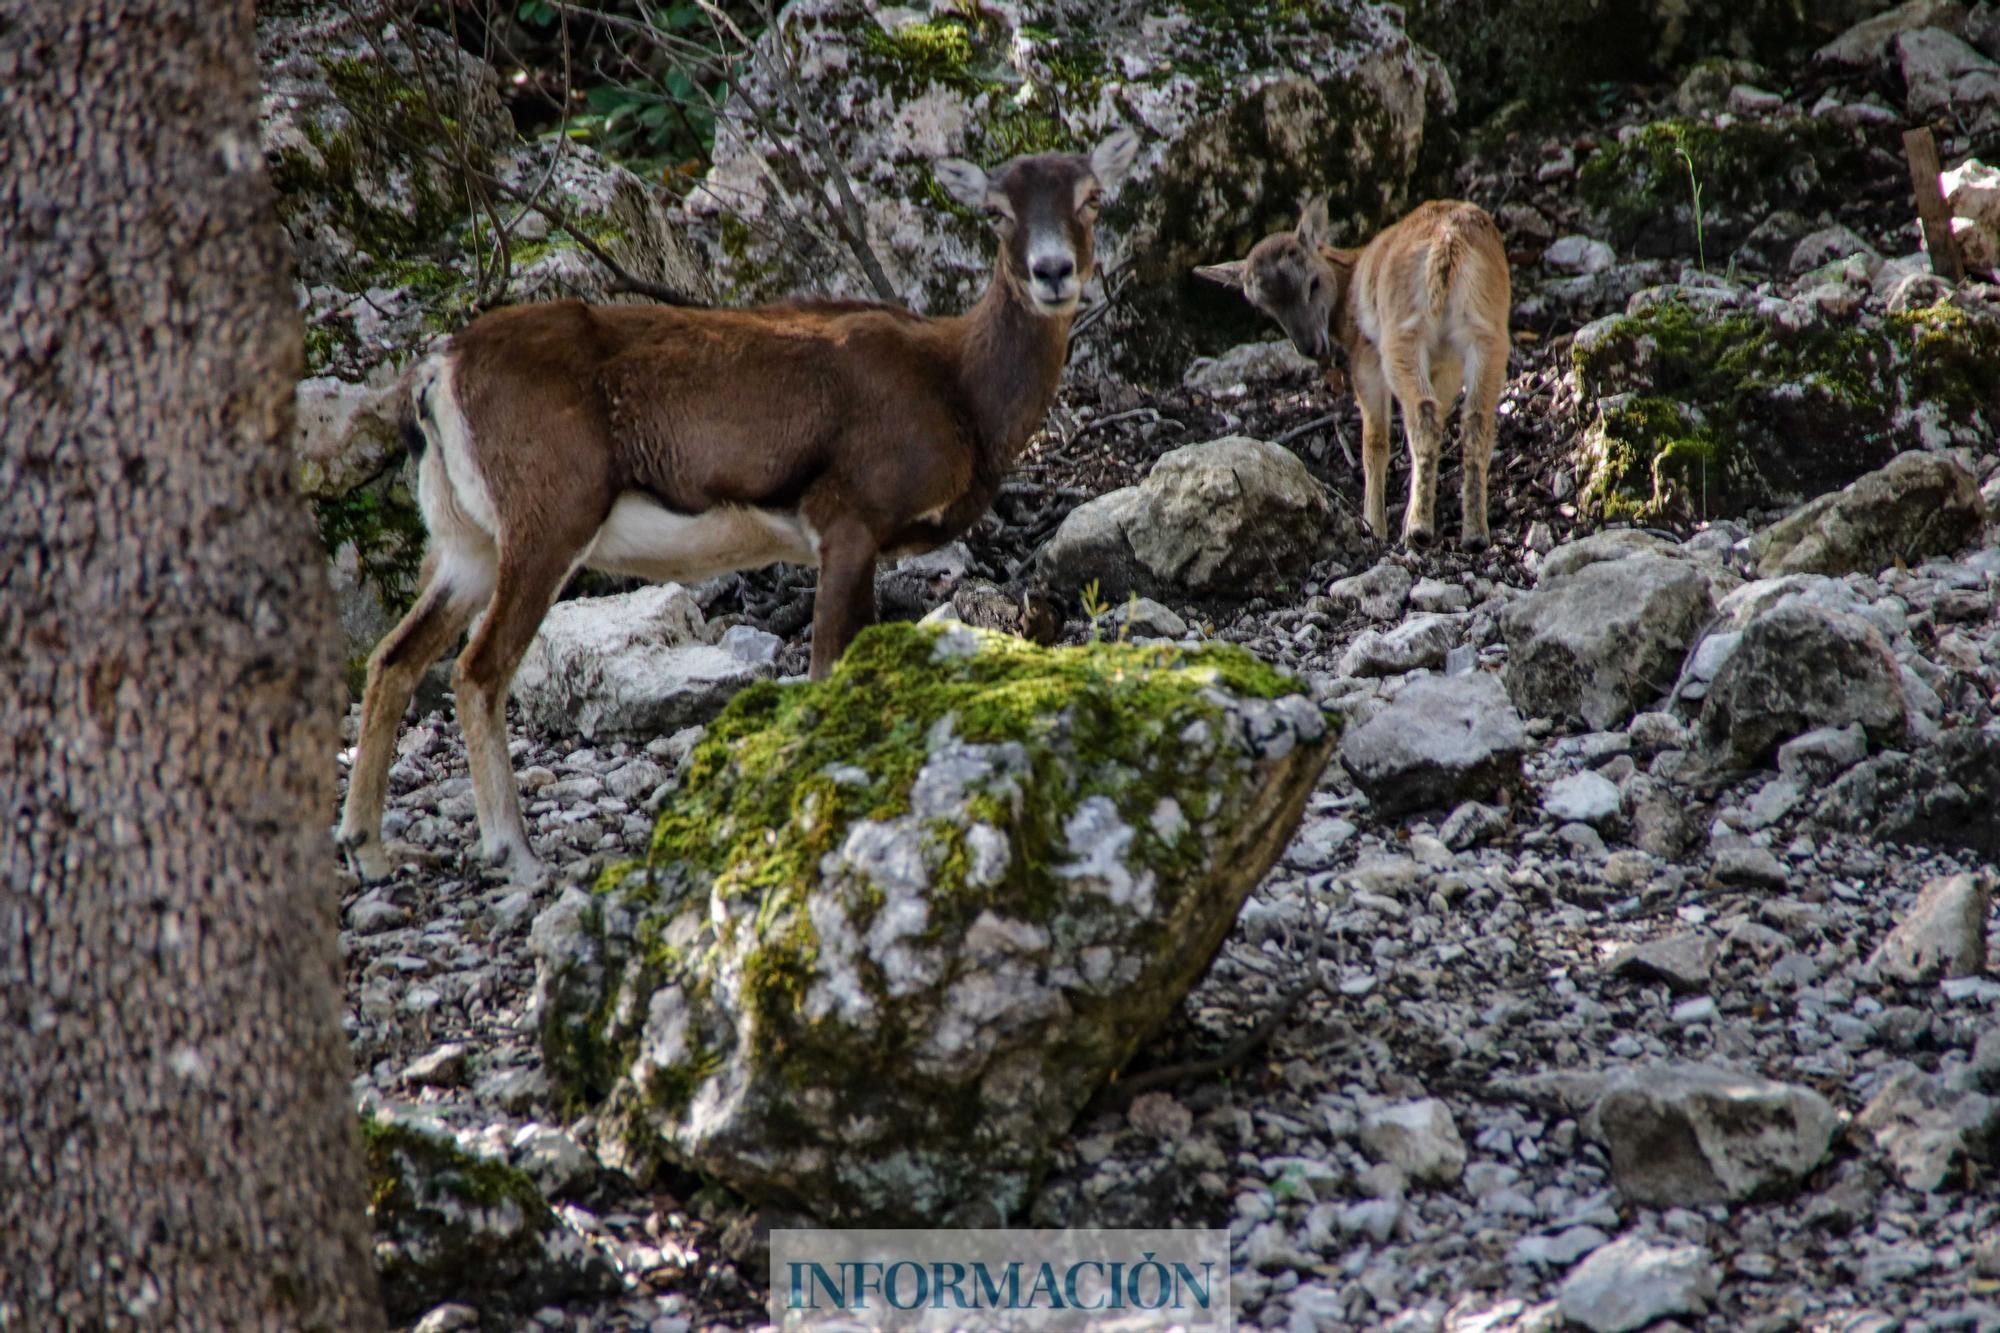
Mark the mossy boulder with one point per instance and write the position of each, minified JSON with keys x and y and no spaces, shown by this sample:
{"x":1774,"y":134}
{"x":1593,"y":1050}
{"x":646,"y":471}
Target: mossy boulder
{"x":453,"y":1226}
{"x":1244,"y":107}
{"x":1705,"y":403}
{"x":898,"y":927}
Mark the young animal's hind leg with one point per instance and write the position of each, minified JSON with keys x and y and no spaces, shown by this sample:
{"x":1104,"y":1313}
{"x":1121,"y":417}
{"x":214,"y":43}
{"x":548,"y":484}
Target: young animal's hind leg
{"x":1486,"y":377}
{"x":1423,"y":424}
{"x":455,"y":587}
{"x":1371,"y":391}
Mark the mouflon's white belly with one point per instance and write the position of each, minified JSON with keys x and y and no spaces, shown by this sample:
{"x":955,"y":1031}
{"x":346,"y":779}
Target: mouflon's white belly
{"x":644,"y":539}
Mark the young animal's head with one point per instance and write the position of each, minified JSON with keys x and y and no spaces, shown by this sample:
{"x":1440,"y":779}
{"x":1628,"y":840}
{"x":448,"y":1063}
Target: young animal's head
{"x":1289,"y":277}
{"x":1045,"y":208}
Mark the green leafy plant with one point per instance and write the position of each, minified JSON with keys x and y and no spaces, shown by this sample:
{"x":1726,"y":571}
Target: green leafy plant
{"x":1694,"y":188}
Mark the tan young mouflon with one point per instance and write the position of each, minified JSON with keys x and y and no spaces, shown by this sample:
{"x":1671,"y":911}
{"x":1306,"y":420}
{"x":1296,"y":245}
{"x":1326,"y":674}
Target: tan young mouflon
{"x":1419,"y":312}
{"x":679,"y":444}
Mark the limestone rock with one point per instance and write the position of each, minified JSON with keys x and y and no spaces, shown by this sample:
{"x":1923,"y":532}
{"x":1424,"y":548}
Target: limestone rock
{"x":1248,"y":364}
{"x":1214,"y":519}
{"x":1944,"y":934}
{"x":964,"y":871}
{"x":1595,"y":644}
{"x":1689,"y":1135}
{"x":1629,"y":1284}
{"x":634,"y":665}
{"x":1928,"y":1131}
{"x":1920,"y":505}
{"x":1443,"y":740}
{"x":1796,"y":669}
{"x":1418,"y":1138}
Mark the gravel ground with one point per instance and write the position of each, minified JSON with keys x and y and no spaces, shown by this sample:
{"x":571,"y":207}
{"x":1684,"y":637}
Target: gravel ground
{"x":1403,"y":960}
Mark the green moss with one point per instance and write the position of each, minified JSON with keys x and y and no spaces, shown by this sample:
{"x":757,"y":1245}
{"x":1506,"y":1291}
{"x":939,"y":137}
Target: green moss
{"x":1954,"y":358}
{"x":411,"y":1169}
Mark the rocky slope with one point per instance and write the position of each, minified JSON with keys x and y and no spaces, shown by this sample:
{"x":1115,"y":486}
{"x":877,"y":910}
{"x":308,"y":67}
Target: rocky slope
{"x":1629,"y":963}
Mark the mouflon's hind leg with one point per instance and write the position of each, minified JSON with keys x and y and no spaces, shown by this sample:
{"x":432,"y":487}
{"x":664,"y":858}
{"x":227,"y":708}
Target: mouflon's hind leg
{"x":454,"y":590}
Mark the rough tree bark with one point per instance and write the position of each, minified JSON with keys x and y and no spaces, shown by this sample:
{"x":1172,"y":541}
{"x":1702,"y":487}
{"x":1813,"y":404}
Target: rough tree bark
{"x":177,"y":1145}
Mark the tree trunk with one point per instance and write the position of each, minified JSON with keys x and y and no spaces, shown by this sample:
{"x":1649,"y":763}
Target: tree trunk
{"x":177,"y":1143}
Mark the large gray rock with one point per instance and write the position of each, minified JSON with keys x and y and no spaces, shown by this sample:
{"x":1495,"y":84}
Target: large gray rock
{"x":1241,"y":113}
{"x":1220,"y":519}
{"x":1944,"y":934}
{"x":1443,"y":740}
{"x":637,"y":665}
{"x":1629,"y":1284}
{"x":1920,"y":505}
{"x":1944,"y":76}
{"x":963,"y":873}
{"x":1929,"y":1133}
{"x":1797,"y":668}
{"x":1601,"y":641}
{"x":1690,"y":1135}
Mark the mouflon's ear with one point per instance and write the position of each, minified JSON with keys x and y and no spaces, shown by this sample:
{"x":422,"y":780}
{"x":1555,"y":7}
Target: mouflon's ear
{"x":1112,"y":159}
{"x":1314,"y":228}
{"x":1229,"y":275}
{"x":962,"y":181}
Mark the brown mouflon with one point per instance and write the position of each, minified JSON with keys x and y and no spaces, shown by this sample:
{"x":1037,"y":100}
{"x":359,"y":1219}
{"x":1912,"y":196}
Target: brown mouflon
{"x":671,"y":443}
{"x":1420,"y":311}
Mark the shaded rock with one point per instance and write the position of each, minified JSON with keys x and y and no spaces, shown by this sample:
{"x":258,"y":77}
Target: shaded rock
{"x":1871,"y":42}
{"x":1471,"y":823}
{"x":1822,"y":753}
{"x":1033,"y":613}
{"x":1418,"y":1138}
{"x":1593,"y":645}
{"x":1421,"y":641}
{"x":554,"y":1160}
{"x":1929,"y":1132}
{"x":1248,"y":364}
{"x":1944,"y":76}
{"x":1145,"y":617}
{"x":1217,"y":519}
{"x":1750,"y":865}
{"x":1656,"y":819}
{"x":1920,"y":505}
{"x":1798,"y":668}
{"x":1685,"y":962}
{"x":445,"y":1067}
{"x":1443,"y":740}
{"x":453,"y":1226}
{"x":1628,"y":1284}
{"x":1943,"y":935}
{"x":1943,"y":797}
{"x":1377,"y":593}
{"x":1688,"y":1135}
{"x":633,"y":665}
{"x":852,"y":930}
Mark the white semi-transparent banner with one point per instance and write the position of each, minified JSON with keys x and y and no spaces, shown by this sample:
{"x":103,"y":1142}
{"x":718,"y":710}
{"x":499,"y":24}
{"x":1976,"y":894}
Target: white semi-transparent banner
{"x":934,"y":1281}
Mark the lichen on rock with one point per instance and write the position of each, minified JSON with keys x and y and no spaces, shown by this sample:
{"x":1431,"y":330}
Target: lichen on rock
{"x":897,"y":927}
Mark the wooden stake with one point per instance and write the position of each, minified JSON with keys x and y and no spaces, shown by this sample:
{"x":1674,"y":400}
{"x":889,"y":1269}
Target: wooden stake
{"x":1920,"y":149}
